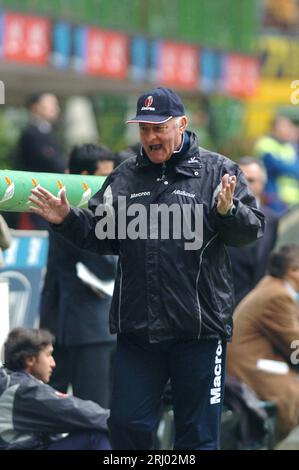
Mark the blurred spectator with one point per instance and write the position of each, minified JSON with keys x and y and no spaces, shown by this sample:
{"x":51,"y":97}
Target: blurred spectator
{"x":129,"y":152}
{"x":266,"y":323}
{"x":38,"y":147}
{"x":71,"y":310}
{"x":249,"y":262}
{"x":34,"y":415}
{"x":281,"y":13}
{"x":5,"y":237}
{"x":280,"y":156}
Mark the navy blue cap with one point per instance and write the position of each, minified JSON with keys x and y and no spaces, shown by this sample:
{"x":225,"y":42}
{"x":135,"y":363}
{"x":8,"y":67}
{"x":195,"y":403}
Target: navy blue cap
{"x":158,"y":106}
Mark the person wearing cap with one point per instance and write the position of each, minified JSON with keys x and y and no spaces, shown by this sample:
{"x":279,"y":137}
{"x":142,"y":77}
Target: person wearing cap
{"x":173,"y":299}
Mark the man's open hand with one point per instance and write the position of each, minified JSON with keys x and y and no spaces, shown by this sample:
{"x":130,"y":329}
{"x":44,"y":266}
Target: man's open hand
{"x":51,"y":208}
{"x":225,"y":196}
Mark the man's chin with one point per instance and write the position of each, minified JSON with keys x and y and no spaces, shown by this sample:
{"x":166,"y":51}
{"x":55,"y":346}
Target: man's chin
{"x":157,"y":158}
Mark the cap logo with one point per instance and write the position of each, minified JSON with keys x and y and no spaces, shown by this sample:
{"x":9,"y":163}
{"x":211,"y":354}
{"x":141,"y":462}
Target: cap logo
{"x":148,"y":101}
{"x":148,"y":104}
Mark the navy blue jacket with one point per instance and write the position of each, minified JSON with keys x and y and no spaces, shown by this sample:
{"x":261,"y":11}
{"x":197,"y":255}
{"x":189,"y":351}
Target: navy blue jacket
{"x":162,"y":289}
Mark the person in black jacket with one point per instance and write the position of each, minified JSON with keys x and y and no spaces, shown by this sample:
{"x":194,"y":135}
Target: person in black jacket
{"x":249,"y":262}
{"x":168,"y":213}
{"x":39,"y":149}
{"x":71,"y":310}
{"x":34,"y":415}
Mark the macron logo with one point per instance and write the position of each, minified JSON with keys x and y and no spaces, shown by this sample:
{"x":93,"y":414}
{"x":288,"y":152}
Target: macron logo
{"x":215,"y":392}
{"x":145,"y":193}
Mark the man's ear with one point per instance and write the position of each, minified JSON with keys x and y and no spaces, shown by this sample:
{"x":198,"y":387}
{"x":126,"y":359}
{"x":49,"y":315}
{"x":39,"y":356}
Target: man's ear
{"x":30,"y":363}
{"x":183,"y":123}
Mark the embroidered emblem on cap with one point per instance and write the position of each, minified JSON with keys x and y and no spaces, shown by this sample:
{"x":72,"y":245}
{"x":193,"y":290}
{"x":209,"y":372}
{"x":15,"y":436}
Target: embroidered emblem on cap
{"x":158,"y":106}
{"x":148,"y":104}
{"x":149,"y":101}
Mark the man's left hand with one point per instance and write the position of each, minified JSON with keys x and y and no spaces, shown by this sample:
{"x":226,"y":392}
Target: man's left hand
{"x":225,"y":196}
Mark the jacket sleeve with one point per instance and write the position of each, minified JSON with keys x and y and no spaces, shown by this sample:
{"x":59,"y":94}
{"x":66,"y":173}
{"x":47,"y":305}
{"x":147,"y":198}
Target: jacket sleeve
{"x":247,"y":223}
{"x":39,"y":407}
{"x":80,"y":227}
{"x":277,"y":166}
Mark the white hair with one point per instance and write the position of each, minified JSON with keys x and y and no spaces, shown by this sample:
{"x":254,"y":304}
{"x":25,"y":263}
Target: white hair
{"x":178,"y":121}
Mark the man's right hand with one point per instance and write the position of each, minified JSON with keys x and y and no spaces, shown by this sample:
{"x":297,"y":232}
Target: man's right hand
{"x":51,"y":208}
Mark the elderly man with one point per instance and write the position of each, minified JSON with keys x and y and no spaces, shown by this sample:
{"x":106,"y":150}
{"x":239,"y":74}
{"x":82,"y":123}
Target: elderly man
{"x":172,"y":302}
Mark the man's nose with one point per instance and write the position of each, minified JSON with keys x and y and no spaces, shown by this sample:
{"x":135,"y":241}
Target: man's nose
{"x":151,"y":133}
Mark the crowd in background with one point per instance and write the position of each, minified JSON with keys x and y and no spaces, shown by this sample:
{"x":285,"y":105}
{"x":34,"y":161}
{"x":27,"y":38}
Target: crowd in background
{"x":267,"y":315}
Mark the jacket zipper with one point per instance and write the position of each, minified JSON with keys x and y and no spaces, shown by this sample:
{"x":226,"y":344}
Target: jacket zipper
{"x":197,"y":280}
{"x":163,"y":172}
{"x":120,"y":291}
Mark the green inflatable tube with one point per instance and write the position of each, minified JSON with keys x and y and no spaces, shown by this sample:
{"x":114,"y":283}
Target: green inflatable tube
{"x":15,"y":188}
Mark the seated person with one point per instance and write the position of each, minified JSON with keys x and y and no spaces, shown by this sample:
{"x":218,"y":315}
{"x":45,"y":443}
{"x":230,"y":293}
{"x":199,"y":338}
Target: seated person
{"x":34,"y":415}
{"x":266,"y":325}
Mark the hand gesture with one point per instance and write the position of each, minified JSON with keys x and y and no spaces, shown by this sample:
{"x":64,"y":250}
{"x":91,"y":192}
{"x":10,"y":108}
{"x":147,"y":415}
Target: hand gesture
{"x":226,"y":193}
{"x":51,"y":208}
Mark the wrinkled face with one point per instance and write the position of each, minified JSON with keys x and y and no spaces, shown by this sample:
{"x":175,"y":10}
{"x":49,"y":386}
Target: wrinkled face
{"x":161,"y":140}
{"x":42,"y":366}
{"x":47,"y":107}
{"x":104,"y":168}
{"x":255,"y":179}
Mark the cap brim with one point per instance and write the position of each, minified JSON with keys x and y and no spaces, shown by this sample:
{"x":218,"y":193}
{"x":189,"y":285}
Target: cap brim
{"x":149,"y":119}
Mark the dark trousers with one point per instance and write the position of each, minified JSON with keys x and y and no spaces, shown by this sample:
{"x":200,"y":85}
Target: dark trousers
{"x":87,"y":368}
{"x":141,"y":370}
{"x":82,"y":440}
